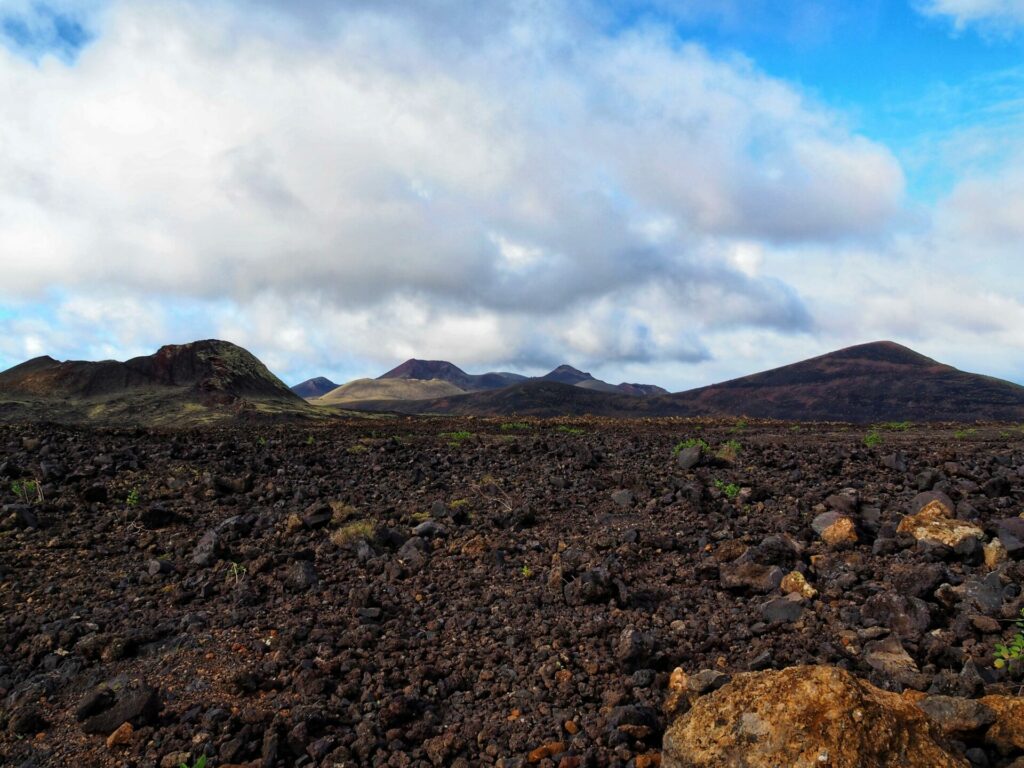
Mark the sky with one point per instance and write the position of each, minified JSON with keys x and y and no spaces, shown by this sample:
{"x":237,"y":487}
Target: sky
{"x":667,"y":191}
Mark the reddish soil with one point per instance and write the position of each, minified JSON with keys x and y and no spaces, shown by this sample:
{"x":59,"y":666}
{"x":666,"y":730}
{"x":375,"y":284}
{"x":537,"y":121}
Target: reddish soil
{"x":260,"y":596}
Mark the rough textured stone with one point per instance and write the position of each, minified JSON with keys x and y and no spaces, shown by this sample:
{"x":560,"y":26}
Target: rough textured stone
{"x":689,"y":458}
{"x":933,"y":524}
{"x":804,"y":717}
{"x":957,"y":716}
{"x":995,"y":553}
{"x":835,"y":529}
{"x":1007,"y":732}
{"x":136,"y":703}
{"x":795,"y":583}
{"x":751,"y":576}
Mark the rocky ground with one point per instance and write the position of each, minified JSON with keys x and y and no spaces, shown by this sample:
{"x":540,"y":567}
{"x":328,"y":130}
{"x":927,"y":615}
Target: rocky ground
{"x":469,"y":592}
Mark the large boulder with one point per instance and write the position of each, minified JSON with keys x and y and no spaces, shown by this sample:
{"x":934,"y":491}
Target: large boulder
{"x":805,"y":717}
{"x":934,"y":524}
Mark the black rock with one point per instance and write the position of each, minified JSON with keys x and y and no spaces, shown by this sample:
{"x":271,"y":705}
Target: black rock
{"x":136,"y":703}
{"x":302,"y":576}
{"x":908,"y":617}
{"x":957,"y":716}
{"x":688,"y":458}
{"x":207,"y":550}
{"x":783,"y":610}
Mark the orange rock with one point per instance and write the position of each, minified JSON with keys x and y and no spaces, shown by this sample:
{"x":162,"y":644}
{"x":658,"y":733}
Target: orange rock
{"x":1007,"y":733}
{"x":570,"y":761}
{"x":570,"y":727}
{"x":550,"y":749}
{"x":804,"y":717}
{"x":933,"y":523}
{"x":563,"y":677}
{"x":650,"y":760}
{"x":121,"y":736}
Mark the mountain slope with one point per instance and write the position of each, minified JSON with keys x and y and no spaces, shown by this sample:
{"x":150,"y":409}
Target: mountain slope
{"x":879,"y":381}
{"x":200,"y":381}
{"x":388,"y":389}
{"x":535,"y":397}
{"x":427,"y":370}
{"x":314,"y":387}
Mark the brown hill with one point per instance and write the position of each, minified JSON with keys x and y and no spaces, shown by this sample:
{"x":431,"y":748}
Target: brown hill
{"x":199,"y":381}
{"x":442,"y":370}
{"x":388,"y":389}
{"x":880,"y":381}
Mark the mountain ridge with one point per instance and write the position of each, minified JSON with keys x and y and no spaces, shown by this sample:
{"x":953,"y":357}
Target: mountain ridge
{"x":876,"y":381}
{"x":194,"y":381}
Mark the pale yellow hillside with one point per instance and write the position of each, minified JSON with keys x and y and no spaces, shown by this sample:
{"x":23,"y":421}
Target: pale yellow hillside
{"x":388,"y":389}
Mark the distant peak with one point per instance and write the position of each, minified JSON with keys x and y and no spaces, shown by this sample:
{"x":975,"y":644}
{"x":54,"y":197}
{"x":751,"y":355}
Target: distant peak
{"x":569,"y":369}
{"x":882,"y":351}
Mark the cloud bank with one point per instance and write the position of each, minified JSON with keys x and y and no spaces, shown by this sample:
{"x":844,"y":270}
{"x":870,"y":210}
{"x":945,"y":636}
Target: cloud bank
{"x":511,"y":183}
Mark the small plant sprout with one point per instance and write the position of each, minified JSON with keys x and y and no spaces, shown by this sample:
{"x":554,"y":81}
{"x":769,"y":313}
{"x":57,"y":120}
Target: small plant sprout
{"x":526,"y":571}
{"x":199,"y":763}
{"x":1009,"y":655}
{"x":310,"y":440}
{"x":27,"y":491}
{"x":872,"y":438}
{"x":132,"y":499}
{"x":237,"y":572}
{"x":261,"y":441}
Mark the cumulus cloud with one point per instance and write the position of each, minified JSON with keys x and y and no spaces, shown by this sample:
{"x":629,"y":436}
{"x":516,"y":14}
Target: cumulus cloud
{"x":999,"y":16}
{"x":507,"y":181}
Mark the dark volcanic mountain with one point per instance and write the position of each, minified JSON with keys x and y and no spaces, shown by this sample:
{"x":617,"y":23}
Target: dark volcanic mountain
{"x":187,"y":382}
{"x":566,"y":374}
{"x":534,"y":397}
{"x":314,"y":387}
{"x":881,"y":381}
{"x":445,"y":371}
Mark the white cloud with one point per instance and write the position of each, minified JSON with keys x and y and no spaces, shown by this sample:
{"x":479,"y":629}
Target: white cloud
{"x":488,"y":172}
{"x":992,"y":15}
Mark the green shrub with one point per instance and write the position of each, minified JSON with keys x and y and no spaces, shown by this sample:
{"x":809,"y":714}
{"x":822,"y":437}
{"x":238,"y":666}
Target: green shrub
{"x":512,"y":426}
{"x":1012,"y":653}
{"x":682,"y":445}
{"x":731,"y":490}
{"x":565,"y":429}
{"x":132,"y":500}
{"x":872,"y":438}
{"x":896,"y":426}
{"x":454,"y":438}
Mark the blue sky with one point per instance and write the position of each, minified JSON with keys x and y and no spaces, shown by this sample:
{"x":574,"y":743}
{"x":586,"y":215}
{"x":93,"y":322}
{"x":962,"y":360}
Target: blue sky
{"x":677,"y":191}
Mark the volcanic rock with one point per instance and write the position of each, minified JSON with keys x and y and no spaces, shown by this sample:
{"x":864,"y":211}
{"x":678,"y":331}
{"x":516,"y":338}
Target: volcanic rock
{"x":804,"y":717}
{"x":933,"y":524}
